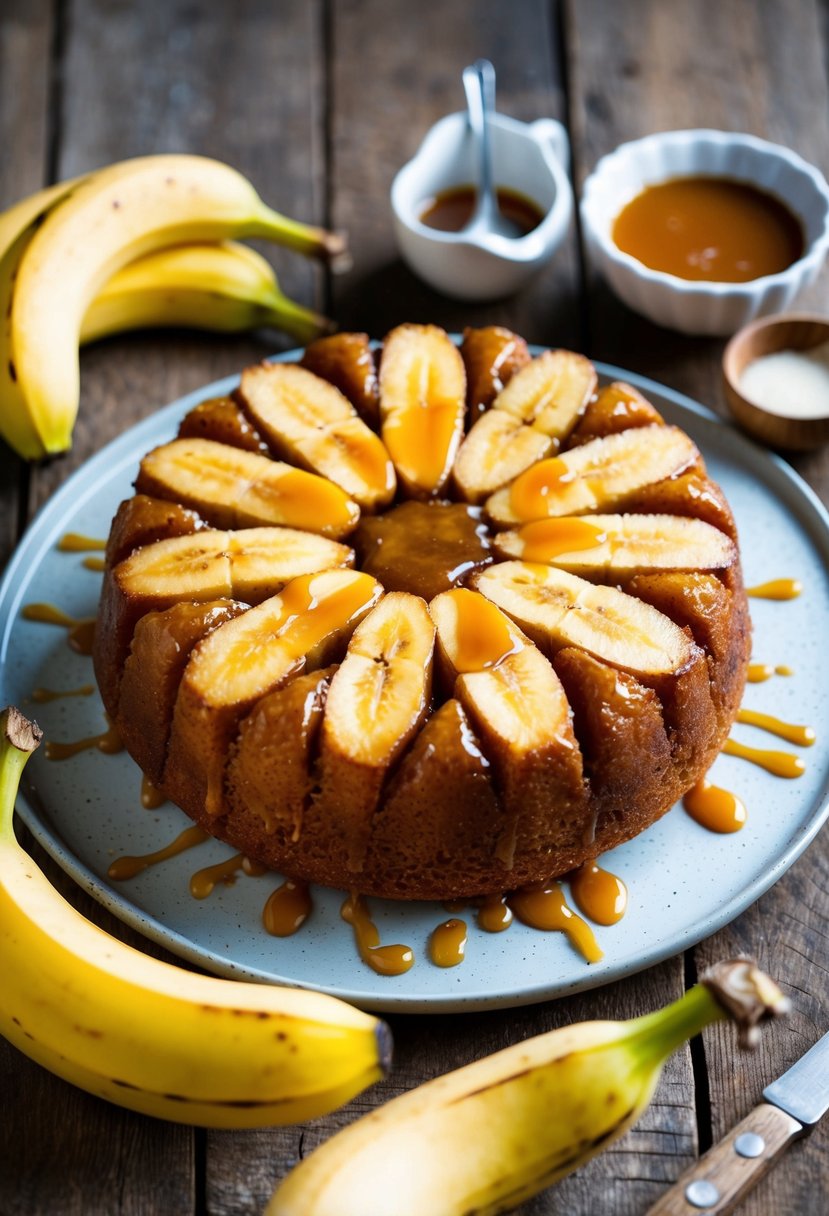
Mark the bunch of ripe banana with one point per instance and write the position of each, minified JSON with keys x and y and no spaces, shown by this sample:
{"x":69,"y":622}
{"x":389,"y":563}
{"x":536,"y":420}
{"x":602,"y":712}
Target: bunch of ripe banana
{"x":153,"y":1037}
{"x":487,"y":1137}
{"x":144,"y":242}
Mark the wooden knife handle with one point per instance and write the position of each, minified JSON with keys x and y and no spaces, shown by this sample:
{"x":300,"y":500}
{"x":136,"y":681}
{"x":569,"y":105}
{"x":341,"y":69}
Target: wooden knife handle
{"x":716,"y":1183}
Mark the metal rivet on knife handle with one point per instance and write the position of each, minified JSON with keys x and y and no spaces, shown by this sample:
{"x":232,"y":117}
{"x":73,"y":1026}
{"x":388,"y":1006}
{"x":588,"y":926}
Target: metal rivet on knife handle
{"x":749,"y":1144}
{"x":701,"y":1193}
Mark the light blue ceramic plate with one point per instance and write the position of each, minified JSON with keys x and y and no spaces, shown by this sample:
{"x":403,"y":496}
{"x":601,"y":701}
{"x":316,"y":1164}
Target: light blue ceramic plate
{"x":684,"y":882}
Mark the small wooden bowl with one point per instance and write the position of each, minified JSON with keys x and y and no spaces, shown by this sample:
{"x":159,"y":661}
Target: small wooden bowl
{"x":792,"y":331}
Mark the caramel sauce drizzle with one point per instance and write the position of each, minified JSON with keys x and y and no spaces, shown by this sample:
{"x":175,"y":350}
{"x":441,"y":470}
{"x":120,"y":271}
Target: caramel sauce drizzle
{"x":81,"y":630}
{"x":483,"y":636}
{"x":781,"y":764}
{"x":713,"y":808}
{"x":447,"y":944}
{"x":385,"y":960}
{"x":94,"y":563}
{"x":544,"y":907}
{"x":109,"y":742}
{"x":600,"y":895}
{"x":151,"y":797}
{"x":76,"y":542}
{"x":776,"y":589}
{"x":533,"y":489}
{"x":42,"y":695}
{"x":287,"y":908}
{"x":543,"y":540}
{"x":129,"y":867}
{"x":204,"y":882}
{"x":494,"y":914}
{"x":803,"y":735}
{"x":758,"y":673}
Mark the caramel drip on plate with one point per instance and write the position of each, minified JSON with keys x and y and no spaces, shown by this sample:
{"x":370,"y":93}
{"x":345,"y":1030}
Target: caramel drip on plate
{"x":203,"y":882}
{"x":109,"y":742}
{"x":533,"y":490}
{"x":543,"y":540}
{"x":494,"y":914}
{"x":94,"y":563}
{"x":287,"y":908}
{"x":600,"y":895}
{"x":385,"y":960}
{"x":81,"y":630}
{"x":758,"y":673}
{"x":76,"y":542}
{"x":781,"y":764}
{"x":803,"y":735}
{"x":151,"y":797}
{"x":713,"y":808}
{"x":544,"y":907}
{"x":447,"y":944}
{"x":129,"y":867}
{"x":776,"y":589}
{"x":42,"y":695}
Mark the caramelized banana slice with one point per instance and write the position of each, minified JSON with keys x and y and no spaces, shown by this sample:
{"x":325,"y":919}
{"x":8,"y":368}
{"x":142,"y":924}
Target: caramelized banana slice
{"x":377,"y":702}
{"x":232,"y":488}
{"x":491,"y":355}
{"x":161,"y":647}
{"x":249,"y":565}
{"x":422,"y":405}
{"x":616,"y":407}
{"x":620,"y":545}
{"x":221,"y":419}
{"x":550,"y":393}
{"x":347,"y":361}
{"x":519,"y":711}
{"x":313,"y":424}
{"x":495,"y":451}
{"x":246,"y":658}
{"x":601,"y":474}
{"x":558,"y":609}
{"x":141,"y":520}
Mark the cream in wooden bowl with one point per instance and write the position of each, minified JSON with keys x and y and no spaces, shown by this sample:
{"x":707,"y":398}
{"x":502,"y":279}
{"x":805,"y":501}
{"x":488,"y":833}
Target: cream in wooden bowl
{"x":776,"y":380}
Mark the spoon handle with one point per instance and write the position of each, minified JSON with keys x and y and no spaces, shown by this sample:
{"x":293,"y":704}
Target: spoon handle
{"x":479,"y":86}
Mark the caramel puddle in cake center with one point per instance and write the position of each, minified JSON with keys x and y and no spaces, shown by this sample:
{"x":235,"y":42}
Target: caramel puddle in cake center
{"x":385,"y":960}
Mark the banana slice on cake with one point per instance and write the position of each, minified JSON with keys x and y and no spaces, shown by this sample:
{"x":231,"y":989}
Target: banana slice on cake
{"x":311,"y":423}
{"x":422,"y":405}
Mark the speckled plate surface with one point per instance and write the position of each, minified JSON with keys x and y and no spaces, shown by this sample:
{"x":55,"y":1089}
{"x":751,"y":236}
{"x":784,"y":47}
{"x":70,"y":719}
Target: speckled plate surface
{"x":684,"y":882}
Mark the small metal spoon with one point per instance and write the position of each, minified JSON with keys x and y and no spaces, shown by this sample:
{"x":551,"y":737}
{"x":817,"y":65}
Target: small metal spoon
{"x":487,"y":217}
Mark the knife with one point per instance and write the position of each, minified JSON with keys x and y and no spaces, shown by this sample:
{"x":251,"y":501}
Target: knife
{"x":719,"y":1181}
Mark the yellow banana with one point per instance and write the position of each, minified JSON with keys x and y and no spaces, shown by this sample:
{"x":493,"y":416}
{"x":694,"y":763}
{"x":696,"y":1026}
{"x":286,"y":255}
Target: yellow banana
{"x":148,"y":1035}
{"x":218,"y":285}
{"x":489,"y":1136}
{"x":118,"y":214}
{"x":18,"y":224}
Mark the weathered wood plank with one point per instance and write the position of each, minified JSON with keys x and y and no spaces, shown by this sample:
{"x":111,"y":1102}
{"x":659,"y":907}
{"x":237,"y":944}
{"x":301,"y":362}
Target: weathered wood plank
{"x":761,"y":68}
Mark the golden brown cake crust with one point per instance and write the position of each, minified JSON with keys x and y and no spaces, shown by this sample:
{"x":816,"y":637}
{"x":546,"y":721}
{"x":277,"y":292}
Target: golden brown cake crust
{"x":561,"y":691}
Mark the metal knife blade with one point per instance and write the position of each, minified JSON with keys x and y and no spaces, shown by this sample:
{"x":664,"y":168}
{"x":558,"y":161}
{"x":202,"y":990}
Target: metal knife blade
{"x":803,"y":1090}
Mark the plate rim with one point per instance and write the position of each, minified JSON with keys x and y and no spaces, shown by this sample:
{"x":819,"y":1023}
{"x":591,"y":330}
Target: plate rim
{"x":38,"y":536}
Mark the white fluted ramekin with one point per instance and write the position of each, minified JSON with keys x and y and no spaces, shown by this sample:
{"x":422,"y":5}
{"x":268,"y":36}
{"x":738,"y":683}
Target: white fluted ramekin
{"x":698,"y":307}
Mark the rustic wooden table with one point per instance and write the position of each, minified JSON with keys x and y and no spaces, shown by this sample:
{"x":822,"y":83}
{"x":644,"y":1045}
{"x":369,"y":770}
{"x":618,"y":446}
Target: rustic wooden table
{"x":319,"y":102}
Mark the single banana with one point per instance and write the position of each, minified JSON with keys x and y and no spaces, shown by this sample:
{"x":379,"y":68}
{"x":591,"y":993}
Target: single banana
{"x":218,"y":285}
{"x":487,"y":1137}
{"x":148,"y":1035}
{"x":119,"y":214}
{"x":18,"y":224}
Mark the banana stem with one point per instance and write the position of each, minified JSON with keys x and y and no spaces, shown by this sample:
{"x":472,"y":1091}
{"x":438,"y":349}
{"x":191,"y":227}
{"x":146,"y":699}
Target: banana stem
{"x":18,"y":739}
{"x":308,"y":239}
{"x":661,"y":1033}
